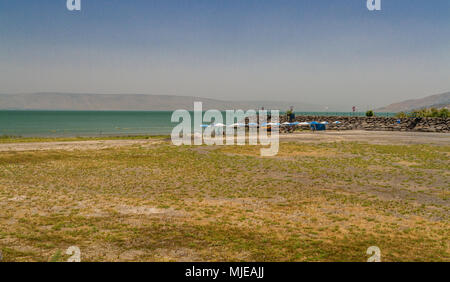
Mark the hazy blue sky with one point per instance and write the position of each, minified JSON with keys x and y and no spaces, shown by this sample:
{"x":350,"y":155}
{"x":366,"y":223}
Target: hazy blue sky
{"x":317,"y":51}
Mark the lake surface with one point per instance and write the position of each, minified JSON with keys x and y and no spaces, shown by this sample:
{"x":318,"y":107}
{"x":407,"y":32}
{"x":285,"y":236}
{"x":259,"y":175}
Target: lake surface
{"x":94,"y":123}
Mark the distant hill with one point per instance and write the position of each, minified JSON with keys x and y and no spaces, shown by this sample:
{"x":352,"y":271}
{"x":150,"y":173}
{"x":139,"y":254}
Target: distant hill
{"x":437,"y":101}
{"x":132,"y":102}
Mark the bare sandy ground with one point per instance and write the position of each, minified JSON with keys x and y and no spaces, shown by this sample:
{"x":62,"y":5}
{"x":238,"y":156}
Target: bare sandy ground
{"x":372,"y":137}
{"x":74,"y":145}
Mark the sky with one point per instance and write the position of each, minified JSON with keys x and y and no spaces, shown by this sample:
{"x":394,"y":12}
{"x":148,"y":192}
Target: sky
{"x":325,"y":52}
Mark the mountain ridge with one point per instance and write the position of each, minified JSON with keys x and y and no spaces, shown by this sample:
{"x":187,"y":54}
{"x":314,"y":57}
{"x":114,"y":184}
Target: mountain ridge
{"x":132,"y":102}
{"x":437,"y":100}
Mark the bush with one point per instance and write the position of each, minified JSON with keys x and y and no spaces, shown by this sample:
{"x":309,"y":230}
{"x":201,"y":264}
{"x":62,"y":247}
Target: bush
{"x":444,"y":113}
{"x":369,"y":113}
{"x":432,"y":112}
{"x":401,"y":115}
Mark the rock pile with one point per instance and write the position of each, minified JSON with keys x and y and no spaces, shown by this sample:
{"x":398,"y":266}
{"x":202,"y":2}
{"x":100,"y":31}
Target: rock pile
{"x":380,"y":123}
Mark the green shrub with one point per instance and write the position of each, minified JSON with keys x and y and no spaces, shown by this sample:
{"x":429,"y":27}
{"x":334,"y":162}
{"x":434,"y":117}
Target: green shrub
{"x":432,"y":112}
{"x":369,"y":113}
{"x":444,"y":113}
{"x":401,"y":115}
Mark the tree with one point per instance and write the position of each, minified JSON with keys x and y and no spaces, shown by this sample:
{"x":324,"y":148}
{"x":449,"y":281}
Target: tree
{"x":369,"y":113}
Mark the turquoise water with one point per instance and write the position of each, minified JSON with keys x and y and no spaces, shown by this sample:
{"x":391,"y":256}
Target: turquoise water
{"x":81,"y":123}
{"x":93,"y":123}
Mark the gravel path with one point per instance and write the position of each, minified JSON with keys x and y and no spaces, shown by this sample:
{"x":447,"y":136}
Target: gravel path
{"x":372,"y":137}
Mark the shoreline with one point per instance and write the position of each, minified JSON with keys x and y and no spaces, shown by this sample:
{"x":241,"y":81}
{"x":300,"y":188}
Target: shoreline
{"x":370,"y":137}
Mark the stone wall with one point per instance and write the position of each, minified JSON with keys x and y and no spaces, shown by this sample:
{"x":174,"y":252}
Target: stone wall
{"x":380,"y":123}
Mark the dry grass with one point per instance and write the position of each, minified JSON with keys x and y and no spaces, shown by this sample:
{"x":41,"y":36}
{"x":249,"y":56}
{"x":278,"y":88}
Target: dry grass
{"x":313,"y":202}
{"x":5,"y":139}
